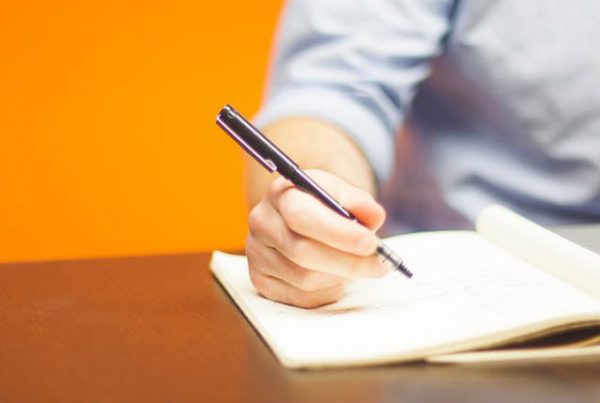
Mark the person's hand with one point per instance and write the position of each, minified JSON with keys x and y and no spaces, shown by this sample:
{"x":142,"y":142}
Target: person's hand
{"x":301,"y":252}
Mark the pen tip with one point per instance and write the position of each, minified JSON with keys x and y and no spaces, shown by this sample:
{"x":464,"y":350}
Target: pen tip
{"x":394,"y":260}
{"x":404,"y":270}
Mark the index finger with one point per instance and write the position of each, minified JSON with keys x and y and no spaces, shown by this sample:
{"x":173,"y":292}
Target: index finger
{"x":307,"y":216}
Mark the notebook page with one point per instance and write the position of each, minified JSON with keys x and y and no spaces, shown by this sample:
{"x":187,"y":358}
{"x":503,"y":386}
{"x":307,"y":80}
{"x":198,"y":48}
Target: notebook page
{"x":543,"y":248}
{"x":466,"y":292}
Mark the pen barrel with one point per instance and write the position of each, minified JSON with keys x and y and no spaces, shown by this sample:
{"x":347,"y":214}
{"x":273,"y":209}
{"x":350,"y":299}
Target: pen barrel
{"x":387,"y":254}
{"x":304,"y":182}
{"x":273,"y":159}
{"x":254,"y":142}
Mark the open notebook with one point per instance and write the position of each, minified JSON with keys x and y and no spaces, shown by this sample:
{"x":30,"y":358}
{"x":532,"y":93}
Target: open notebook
{"x":472,"y":293}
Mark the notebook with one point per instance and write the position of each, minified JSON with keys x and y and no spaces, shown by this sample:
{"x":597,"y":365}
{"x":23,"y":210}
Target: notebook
{"x":508,"y":291}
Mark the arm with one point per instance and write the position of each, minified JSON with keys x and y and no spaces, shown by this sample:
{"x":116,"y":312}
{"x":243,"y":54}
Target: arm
{"x":313,"y":145}
{"x":299,"y":251}
{"x":353,"y":65}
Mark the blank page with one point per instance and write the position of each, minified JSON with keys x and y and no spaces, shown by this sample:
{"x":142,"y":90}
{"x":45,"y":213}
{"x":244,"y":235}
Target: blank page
{"x":545,"y":249}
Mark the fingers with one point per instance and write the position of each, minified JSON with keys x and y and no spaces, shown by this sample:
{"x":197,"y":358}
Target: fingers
{"x":277,"y":290}
{"x":366,"y":210}
{"x":356,"y":200}
{"x":279,"y":279}
{"x":269,"y":228}
{"x":300,"y":252}
{"x":307,"y":216}
{"x":271,"y":262}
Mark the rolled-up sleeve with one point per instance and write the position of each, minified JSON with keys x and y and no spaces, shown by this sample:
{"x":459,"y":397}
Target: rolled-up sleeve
{"x":354,"y":64}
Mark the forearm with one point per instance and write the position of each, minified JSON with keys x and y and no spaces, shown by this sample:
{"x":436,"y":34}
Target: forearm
{"x":312,"y":144}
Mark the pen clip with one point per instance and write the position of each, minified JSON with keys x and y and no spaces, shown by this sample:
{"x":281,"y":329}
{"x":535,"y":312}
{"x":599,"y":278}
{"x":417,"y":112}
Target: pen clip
{"x":265,"y":162}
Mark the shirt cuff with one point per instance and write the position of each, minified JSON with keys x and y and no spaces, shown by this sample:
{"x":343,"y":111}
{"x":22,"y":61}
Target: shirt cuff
{"x":355,"y":119}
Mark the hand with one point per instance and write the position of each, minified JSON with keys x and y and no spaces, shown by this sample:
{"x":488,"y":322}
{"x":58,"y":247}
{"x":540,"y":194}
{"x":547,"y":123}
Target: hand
{"x":301,"y":253}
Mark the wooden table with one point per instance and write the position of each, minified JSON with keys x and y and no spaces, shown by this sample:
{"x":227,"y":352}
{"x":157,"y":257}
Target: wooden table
{"x":160,"y":329}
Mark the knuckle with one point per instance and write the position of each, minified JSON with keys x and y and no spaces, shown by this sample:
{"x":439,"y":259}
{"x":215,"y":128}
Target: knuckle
{"x":257,"y":220}
{"x":258,"y":280}
{"x":257,"y":264}
{"x":254,"y":219}
{"x":298,"y":249}
{"x":251,"y":251}
{"x":292,"y":211}
{"x":280,"y":183}
{"x":276,"y":188}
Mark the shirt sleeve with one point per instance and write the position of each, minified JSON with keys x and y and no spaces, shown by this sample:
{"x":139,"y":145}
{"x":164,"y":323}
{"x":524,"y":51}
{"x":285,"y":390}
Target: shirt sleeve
{"x":354,"y":64}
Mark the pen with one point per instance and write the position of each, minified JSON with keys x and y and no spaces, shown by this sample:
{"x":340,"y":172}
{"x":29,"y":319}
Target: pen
{"x":273,"y":159}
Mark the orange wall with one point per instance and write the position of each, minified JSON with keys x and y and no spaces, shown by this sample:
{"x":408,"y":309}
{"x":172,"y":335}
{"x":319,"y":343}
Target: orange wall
{"x":108,"y":142}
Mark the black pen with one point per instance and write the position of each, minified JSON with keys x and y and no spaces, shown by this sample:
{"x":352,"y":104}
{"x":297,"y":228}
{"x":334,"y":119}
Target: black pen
{"x":273,"y":159}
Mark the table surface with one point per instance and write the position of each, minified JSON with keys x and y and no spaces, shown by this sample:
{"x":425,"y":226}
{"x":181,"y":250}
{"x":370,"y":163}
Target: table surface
{"x":161,"y":329}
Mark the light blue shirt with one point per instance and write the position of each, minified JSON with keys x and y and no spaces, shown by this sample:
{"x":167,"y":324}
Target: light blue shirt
{"x":456,"y":104}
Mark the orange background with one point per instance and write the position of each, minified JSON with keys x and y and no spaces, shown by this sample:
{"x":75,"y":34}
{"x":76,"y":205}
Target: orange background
{"x":107,"y":111}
